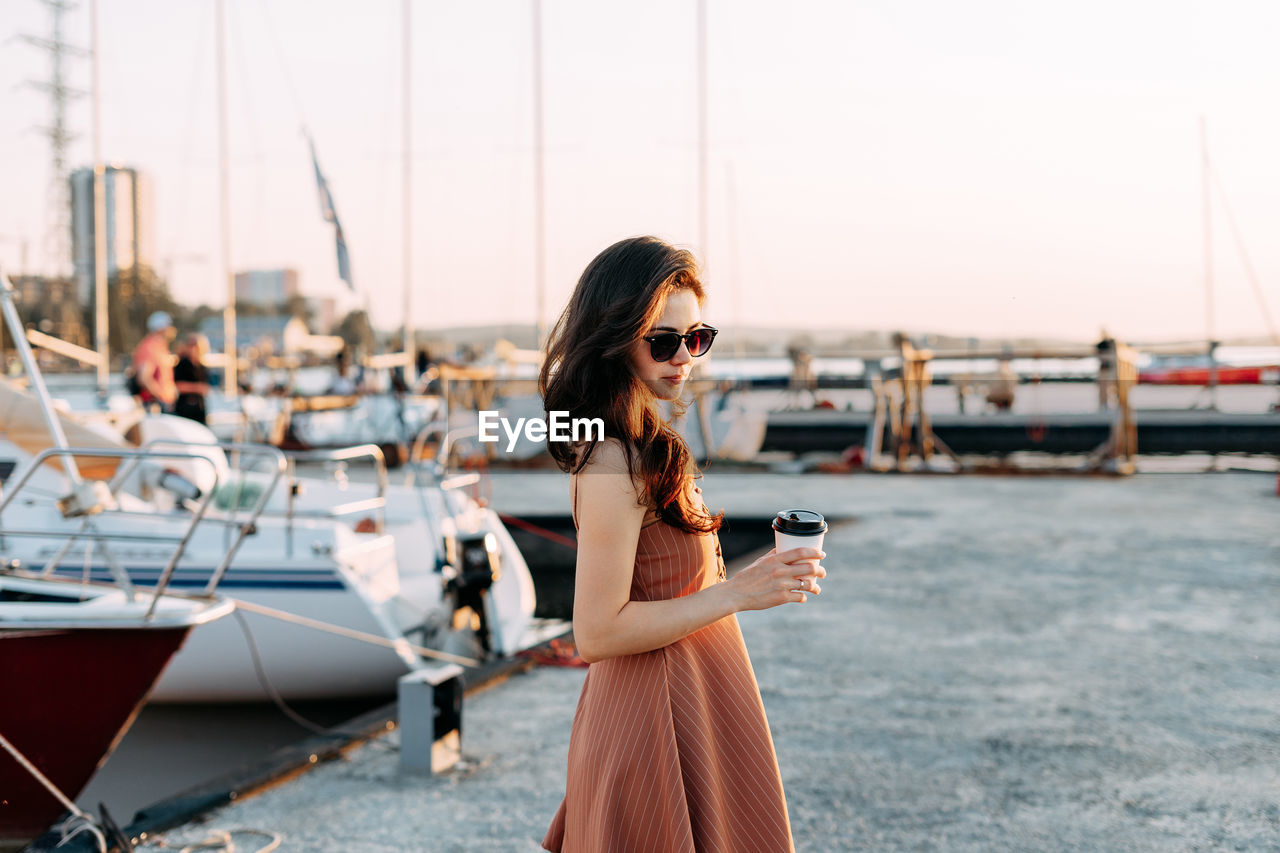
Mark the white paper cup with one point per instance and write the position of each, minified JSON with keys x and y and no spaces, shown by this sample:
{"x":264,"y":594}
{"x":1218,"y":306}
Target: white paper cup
{"x":798,"y":528}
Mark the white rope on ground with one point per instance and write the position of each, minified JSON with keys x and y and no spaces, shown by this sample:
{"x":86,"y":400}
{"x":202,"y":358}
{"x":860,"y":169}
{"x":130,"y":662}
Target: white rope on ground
{"x":74,"y":825}
{"x":349,"y":633}
{"x":218,"y":841}
{"x":86,"y":823}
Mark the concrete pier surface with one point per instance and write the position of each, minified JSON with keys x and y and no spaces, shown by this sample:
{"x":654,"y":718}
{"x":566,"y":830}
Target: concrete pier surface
{"x":1022,"y":663}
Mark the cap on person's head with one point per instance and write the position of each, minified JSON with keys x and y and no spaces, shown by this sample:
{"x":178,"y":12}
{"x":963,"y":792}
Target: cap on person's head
{"x":158,"y":321}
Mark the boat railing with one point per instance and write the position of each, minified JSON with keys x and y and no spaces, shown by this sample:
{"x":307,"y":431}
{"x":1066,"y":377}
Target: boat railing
{"x":236,"y":450}
{"x":436,"y":470}
{"x":376,"y":504}
{"x":285,"y":465}
{"x":97,"y":499}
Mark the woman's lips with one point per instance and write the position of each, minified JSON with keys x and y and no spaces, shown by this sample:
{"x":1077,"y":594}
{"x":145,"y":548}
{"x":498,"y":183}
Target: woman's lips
{"x":674,"y":380}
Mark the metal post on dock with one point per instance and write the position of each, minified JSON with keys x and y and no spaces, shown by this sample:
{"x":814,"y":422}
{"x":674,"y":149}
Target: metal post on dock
{"x":430,"y":718}
{"x":911,"y":424}
{"x":1213,"y":375}
{"x":1106,"y":370}
{"x":875,"y":430}
{"x":1118,"y":373}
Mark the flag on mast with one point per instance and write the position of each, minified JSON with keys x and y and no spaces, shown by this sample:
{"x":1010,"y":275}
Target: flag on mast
{"x":330,"y":214}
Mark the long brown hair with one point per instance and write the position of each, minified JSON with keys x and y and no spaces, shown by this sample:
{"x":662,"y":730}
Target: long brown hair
{"x":586,"y":371}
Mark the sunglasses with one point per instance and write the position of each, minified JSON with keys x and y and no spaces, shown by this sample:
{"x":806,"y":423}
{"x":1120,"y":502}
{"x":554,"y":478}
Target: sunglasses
{"x":664,"y":345}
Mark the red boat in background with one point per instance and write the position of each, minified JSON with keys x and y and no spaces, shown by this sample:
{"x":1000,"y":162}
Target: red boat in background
{"x":1198,"y":374}
{"x":77,"y":662}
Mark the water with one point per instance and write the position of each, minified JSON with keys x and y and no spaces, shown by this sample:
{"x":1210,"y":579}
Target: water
{"x":171,"y":748}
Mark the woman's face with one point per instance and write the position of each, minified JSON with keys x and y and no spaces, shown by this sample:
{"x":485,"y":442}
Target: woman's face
{"x":680,"y":313}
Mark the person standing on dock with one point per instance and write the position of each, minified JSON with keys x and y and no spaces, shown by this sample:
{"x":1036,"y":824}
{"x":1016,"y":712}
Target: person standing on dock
{"x":153,"y":364}
{"x":670,"y":748}
{"x":191,"y":378}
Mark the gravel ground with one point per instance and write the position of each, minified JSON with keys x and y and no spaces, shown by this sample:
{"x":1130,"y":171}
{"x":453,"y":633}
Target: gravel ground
{"x":994,"y":664}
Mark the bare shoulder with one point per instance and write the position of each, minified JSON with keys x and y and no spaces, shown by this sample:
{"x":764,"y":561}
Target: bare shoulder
{"x":605,"y":483}
{"x":607,"y":457}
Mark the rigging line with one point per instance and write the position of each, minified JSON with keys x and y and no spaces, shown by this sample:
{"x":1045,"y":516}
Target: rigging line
{"x":265,"y":682}
{"x":274,"y":37}
{"x":49,"y":786}
{"x":381,"y":182}
{"x":362,"y":636}
{"x":1250,"y":273}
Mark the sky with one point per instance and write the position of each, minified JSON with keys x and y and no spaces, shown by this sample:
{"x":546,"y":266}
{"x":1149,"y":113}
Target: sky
{"x":980,"y":168}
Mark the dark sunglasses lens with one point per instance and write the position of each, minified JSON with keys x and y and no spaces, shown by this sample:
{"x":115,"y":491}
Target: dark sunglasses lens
{"x":663,"y":347}
{"x":700,"y":341}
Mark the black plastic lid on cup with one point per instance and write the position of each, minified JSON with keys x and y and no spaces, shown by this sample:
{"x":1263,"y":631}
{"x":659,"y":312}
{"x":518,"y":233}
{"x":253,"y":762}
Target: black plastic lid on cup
{"x":800,"y":522}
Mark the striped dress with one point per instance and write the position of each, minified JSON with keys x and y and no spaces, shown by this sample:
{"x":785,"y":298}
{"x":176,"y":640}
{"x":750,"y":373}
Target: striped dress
{"x":670,"y":750}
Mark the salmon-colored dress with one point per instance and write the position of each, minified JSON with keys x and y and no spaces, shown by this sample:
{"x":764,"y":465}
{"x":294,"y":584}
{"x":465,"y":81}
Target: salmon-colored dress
{"x":670,"y":750}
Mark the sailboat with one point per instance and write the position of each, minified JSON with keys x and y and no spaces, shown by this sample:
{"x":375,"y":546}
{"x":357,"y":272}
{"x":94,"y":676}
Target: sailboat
{"x":377,"y":561}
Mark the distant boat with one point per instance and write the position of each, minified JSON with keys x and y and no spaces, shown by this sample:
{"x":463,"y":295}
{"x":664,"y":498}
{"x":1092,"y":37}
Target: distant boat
{"x":1198,"y":372}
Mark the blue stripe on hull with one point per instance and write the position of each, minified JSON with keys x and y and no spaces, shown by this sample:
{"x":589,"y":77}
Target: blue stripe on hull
{"x":234,"y":579}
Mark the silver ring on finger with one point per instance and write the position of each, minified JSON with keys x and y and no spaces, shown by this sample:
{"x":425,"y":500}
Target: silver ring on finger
{"x":804,"y":585}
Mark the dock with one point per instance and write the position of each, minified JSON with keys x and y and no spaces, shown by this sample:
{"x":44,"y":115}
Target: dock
{"x":1158,"y":432}
{"x":1049,"y":663}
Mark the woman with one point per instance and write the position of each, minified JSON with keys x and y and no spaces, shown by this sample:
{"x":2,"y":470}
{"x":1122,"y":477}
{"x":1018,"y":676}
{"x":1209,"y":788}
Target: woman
{"x":191,"y":379}
{"x":670,"y":749}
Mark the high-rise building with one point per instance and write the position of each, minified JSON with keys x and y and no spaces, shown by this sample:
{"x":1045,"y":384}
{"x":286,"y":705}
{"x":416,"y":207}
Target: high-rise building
{"x":324,"y":313}
{"x":266,"y":287}
{"x":128,"y":224}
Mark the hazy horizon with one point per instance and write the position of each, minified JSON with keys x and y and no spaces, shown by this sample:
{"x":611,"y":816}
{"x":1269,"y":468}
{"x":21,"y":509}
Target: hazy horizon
{"x":990,"y":169}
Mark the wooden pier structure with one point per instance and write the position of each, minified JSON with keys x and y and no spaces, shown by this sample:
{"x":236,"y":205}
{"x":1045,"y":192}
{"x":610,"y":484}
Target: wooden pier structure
{"x":898,"y":434}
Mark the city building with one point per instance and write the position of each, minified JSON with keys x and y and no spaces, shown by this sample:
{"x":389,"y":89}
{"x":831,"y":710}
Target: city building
{"x":324,"y":312}
{"x":128,"y":224}
{"x":267,"y":288}
{"x":271,"y":336}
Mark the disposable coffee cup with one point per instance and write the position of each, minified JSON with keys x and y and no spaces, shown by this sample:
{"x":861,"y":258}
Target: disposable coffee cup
{"x":798,"y":528}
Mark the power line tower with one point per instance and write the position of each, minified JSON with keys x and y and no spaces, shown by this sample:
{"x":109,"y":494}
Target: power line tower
{"x":58,"y":235}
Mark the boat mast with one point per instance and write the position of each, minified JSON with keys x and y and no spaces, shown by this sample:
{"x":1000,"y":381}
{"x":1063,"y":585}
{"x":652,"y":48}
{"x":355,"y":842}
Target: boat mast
{"x":406,"y":198}
{"x":539,"y":183}
{"x":230,"y":384}
{"x":735,"y":267}
{"x":20,"y":343}
{"x":702,"y":131}
{"x":1208,"y":266}
{"x":101,"y":329}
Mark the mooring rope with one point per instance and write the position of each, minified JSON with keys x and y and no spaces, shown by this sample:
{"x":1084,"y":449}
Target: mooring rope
{"x":349,"y":633}
{"x":88,"y":825}
{"x":218,"y":841}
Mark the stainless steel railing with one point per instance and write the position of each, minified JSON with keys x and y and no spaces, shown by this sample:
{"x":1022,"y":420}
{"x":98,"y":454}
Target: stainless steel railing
{"x":88,"y":528}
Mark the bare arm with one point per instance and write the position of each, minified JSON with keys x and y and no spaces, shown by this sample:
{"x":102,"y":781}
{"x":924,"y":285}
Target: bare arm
{"x":147,"y":378}
{"x":192,"y":387}
{"x":606,"y":622}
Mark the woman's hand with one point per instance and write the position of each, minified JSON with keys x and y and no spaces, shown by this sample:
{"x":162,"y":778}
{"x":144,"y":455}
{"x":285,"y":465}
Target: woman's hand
{"x":778,"y":579}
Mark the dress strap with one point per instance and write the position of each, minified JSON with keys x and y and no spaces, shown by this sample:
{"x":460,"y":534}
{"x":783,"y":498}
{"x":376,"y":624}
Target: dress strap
{"x":573,"y":487}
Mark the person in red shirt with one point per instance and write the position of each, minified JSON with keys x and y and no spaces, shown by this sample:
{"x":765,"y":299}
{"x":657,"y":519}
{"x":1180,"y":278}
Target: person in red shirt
{"x":153,"y":363}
